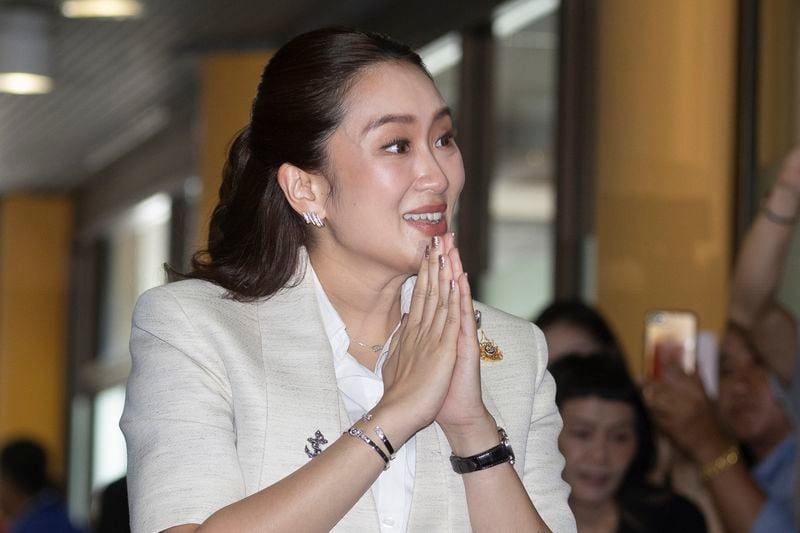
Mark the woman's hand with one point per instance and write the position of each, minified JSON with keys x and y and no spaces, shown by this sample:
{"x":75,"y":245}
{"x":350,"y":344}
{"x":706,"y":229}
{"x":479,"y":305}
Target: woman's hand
{"x":682,"y":410}
{"x":422,"y":354}
{"x":463,"y":416}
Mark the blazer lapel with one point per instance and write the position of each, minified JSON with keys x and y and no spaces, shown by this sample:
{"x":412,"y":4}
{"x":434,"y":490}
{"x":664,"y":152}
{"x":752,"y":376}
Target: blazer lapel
{"x":302,"y":394}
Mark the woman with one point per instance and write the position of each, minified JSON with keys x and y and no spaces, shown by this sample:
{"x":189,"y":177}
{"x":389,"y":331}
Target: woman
{"x":759,"y":500}
{"x":304,"y":319}
{"x":609,"y":449}
{"x":571,"y":326}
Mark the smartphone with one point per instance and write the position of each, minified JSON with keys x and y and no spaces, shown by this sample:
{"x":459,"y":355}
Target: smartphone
{"x":669,"y":333}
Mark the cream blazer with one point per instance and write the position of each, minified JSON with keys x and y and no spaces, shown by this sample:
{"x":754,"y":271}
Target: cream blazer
{"x":223,"y":395}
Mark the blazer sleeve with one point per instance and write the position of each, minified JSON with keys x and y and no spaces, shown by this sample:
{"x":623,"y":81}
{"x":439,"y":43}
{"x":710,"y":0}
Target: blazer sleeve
{"x":543,"y":460}
{"x":177,"y":420}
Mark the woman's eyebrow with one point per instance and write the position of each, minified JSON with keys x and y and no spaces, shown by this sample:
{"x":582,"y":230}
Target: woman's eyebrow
{"x":387,"y":119}
{"x":402,"y":119}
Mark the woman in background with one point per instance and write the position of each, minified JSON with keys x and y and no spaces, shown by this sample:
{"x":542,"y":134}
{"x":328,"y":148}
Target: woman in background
{"x":571,"y":326}
{"x":608,"y":445}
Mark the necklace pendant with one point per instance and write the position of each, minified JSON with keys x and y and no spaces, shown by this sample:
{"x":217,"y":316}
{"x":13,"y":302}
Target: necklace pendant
{"x":490,"y":352}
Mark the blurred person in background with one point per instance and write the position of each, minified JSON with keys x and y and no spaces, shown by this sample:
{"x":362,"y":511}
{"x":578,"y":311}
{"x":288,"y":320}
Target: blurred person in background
{"x":113,"y":515}
{"x":748,"y":425}
{"x":609,"y":448}
{"x":571,"y":326}
{"x":26,"y":496}
{"x":754,"y":306}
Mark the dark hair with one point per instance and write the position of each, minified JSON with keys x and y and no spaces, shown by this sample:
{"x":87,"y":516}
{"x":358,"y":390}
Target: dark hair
{"x":583,"y":316}
{"x":24,"y":464}
{"x":254,"y":234}
{"x":605,"y":376}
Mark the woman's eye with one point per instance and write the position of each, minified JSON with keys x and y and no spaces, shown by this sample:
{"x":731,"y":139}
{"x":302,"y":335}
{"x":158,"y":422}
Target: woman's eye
{"x":445,"y":140}
{"x":398,"y":146}
{"x":622,"y":437}
{"x":580,"y":434}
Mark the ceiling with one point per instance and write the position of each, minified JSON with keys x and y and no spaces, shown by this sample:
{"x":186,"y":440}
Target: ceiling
{"x":112,"y":75}
{"x":117,"y":80}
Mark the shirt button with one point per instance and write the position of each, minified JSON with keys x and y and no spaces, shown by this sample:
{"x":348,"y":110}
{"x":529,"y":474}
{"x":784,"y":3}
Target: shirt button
{"x":388,"y":521}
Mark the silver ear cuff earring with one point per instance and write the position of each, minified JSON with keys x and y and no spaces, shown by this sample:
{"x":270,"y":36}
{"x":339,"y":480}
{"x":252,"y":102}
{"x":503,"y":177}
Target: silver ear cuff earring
{"x":311,"y":217}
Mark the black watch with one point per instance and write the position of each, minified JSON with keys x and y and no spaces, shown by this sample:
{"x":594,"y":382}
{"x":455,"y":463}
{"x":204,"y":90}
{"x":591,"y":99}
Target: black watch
{"x":502,"y":453}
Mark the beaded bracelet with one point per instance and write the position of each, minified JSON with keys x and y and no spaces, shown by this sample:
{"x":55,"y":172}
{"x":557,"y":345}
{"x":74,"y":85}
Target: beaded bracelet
{"x":725,"y":460}
{"x":776,"y":218}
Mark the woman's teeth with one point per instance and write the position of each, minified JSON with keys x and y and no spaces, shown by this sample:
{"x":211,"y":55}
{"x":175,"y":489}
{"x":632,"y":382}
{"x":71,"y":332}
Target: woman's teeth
{"x":431,"y":218}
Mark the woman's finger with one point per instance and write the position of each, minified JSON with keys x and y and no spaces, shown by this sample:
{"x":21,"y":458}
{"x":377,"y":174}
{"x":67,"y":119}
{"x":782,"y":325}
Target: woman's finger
{"x":432,"y":281}
{"x":452,"y":321}
{"x":455,"y":260}
{"x":469,"y":328}
{"x":418,"y":296}
{"x":392,"y":360}
{"x":445,"y":294}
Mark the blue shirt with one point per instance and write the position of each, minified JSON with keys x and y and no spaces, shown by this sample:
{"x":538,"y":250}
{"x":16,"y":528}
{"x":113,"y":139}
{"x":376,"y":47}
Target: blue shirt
{"x":775,"y":476}
{"x":45,"y":514}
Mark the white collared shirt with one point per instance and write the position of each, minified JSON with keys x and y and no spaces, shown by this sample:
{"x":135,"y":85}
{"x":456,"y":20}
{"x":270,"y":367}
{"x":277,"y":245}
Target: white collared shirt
{"x":361,"y":389}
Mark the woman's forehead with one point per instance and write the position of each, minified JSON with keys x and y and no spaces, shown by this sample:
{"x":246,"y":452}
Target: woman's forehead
{"x":392,"y":89}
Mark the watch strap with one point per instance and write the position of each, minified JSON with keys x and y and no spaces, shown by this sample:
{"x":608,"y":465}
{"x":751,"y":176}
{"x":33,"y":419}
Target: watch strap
{"x":502,"y":453}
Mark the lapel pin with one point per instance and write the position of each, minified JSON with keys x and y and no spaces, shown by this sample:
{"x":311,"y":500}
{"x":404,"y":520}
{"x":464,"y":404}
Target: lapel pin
{"x":490,"y":352}
{"x":316,"y":442}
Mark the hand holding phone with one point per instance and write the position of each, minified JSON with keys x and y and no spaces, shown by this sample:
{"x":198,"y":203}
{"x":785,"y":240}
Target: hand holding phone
{"x":669,"y":336}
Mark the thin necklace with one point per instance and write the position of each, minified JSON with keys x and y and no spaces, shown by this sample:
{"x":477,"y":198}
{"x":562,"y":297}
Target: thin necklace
{"x":374,"y":348}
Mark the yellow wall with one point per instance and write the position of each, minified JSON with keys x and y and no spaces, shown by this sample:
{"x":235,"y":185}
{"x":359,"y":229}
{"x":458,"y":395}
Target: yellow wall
{"x":666,"y":82}
{"x":229,"y":81}
{"x":35,"y":235}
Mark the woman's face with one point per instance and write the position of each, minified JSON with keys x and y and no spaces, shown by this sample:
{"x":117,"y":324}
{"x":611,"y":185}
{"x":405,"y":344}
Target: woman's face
{"x":564,"y":338}
{"x":598,"y":443}
{"x":396,"y":169}
{"x":746,"y":401}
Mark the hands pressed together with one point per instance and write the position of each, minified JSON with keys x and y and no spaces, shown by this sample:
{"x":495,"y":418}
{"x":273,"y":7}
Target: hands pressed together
{"x":433,"y":368}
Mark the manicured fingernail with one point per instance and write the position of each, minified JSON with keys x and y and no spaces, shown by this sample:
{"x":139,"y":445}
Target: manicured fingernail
{"x":452,"y":285}
{"x":427,"y":251}
{"x":453,"y":236}
{"x":441,"y":262}
{"x":435,"y":241}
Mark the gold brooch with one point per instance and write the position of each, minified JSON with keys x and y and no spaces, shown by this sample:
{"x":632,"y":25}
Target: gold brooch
{"x":490,"y":352}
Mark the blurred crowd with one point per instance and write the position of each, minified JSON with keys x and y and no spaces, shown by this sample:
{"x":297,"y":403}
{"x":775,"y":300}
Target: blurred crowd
{"x":660,"y":453}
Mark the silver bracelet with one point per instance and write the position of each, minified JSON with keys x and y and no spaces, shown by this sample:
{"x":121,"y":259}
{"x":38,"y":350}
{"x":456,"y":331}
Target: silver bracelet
{"x":781,"y":220}
{"x":355,"y":432}
{"x":367,"y":417}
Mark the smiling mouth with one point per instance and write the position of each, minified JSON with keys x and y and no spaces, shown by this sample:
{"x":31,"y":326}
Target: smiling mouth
{"x":430,"y":218}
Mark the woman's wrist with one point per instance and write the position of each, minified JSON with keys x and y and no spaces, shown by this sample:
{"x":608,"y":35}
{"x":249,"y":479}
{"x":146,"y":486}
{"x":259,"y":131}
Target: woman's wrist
{"x":710,"y":448}
{"x":477,"y":436}
{"x":783,"y":201}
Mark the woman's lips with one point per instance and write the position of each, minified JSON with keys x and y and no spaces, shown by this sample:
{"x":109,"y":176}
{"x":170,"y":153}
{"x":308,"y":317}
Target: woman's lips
{"x":429,"y":228}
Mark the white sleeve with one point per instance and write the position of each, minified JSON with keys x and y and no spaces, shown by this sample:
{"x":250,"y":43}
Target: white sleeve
{"x":177,"y":421}
{"x":543,"y":460}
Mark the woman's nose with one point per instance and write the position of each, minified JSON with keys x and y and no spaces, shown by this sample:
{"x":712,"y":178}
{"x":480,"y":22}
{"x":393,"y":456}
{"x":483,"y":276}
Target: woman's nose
{"x":431,"y":174}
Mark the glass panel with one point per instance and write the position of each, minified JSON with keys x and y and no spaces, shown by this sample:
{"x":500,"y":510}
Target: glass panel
{"x":522,"y":196}
{"x":110,"y":460}
{"x":138,"y":247}
{"x":443,"y":59}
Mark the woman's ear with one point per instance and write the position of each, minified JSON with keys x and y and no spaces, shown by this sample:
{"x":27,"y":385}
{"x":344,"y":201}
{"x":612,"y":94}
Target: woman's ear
{"x":306,"y":192}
